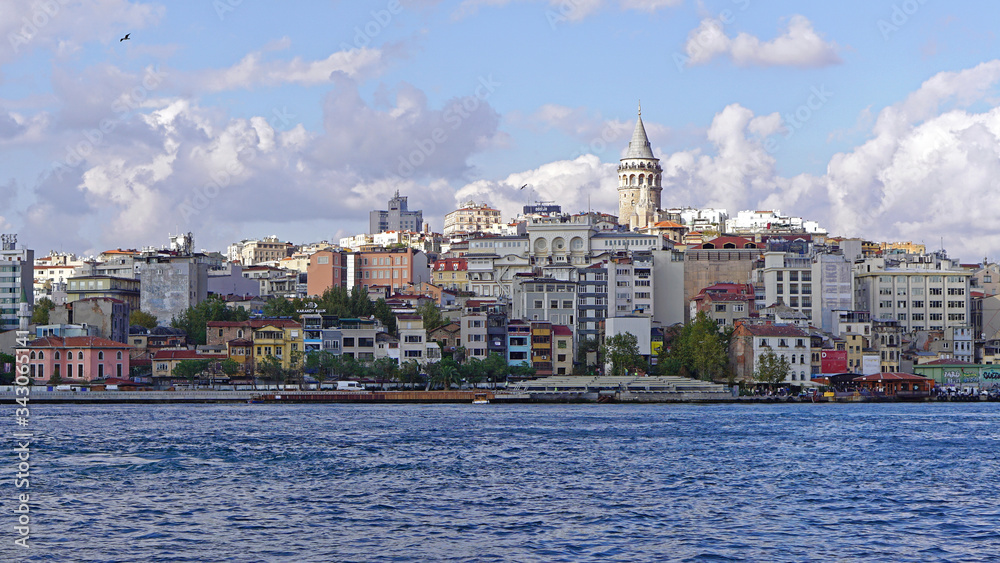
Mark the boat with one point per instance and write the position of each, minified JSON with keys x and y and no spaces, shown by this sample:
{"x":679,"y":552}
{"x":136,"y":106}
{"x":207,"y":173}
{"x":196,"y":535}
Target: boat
{"x":480,"y":399}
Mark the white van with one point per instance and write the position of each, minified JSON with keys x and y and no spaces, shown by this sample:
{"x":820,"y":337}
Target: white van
{"x":349,"y":386}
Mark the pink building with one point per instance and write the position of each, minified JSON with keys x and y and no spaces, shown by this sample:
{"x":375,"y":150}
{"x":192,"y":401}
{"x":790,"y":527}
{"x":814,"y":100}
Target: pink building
{"x":75,"y":357}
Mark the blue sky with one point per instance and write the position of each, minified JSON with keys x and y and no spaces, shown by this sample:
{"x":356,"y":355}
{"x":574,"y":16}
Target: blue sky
{"x":242,"y":119}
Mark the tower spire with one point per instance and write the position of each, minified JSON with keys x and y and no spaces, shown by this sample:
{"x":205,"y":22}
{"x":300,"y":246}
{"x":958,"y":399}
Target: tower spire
{"x":640,"y":108}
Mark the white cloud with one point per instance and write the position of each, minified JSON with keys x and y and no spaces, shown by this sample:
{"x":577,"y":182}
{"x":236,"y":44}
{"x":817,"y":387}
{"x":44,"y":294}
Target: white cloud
{"x":172,"y":164}
{"x":569,"y":10}
{"x":64,"y":26}
{"x":252,"y":70}
{"x":931,"y":169}
{"x":799,"y":45}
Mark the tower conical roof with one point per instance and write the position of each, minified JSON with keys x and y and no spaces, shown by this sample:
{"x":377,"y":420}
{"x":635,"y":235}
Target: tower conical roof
{"x":638,"y":147}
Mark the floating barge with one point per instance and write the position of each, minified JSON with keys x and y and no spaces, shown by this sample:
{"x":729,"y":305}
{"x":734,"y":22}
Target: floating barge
{"x":375,"y":397}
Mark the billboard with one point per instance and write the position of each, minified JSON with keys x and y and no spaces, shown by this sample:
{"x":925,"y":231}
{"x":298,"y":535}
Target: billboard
{"x":833,"y":361}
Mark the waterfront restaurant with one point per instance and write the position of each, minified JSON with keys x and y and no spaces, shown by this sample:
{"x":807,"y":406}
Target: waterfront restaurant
{"x":895,"y":384}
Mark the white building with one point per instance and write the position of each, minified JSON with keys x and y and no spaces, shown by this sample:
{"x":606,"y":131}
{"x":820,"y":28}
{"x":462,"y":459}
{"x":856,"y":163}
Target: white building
{"x":472,"y":218}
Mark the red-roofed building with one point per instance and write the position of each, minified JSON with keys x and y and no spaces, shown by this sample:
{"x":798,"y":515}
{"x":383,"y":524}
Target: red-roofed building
{"x":164,"y":361}
{"x":725,"y":303}
{"x":452,"y":273}
{"x":750,"y":341}
{"x":895,"y":384}
{"x":720,"y":260}
{"x":80,"y":358}
{"x":562,"y":350}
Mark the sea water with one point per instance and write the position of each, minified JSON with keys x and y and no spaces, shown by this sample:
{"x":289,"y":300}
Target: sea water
{"x":304,"y":483}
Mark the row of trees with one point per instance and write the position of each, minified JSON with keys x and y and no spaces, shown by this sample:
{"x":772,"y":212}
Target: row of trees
{"x":324,"y":366}
{"x":334,"y":301}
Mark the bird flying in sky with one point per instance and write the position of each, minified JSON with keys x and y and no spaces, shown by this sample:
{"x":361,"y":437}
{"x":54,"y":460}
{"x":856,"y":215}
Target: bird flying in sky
{"x":124,"y":38}
{"x":522,"y":187}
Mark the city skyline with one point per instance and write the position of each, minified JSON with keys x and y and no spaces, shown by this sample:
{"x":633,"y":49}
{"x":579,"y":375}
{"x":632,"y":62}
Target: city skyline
{"x":233,"y":120}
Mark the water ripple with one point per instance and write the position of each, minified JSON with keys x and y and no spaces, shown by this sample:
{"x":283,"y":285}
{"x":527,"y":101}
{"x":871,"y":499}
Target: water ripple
{"x":526,"y":483}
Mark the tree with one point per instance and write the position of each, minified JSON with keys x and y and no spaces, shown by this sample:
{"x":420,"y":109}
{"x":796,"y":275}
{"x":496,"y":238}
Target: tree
{"x":361,"y":303}
{"x":40,"y":316}
{"x":772,"y":369}
{"x":190,"y":369}
{"x":582,"y":366}
{"x":446,"y":373}
{"x":431,"y":315}
{"x":698,"y":349}
{"x":495,"y":367}
{"x":281,"y":307}
{"x":142,"y":318}
{"x":622,"y":352}
{"x":194,"y":320}
{"x":270,"y":369}
{"x":321,"y":365}
{"x":409,"y":372}
{"x":230,"y":367}
{"x":7,"y":375}
{"x":385,"y":369}
{"x":473,"y":371}
{"x":384,"y":314}
{"x":524,"y":370}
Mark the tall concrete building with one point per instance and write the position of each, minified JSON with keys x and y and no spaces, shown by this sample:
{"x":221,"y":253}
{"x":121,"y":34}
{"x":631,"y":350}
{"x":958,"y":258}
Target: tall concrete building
{"x":396,"y":218}
{"x":639,"y":177}
{"x":171,"y":283}
{"x":17,"y":269}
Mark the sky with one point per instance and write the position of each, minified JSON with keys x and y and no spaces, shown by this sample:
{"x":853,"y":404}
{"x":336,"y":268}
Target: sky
{"x":234,"y":119}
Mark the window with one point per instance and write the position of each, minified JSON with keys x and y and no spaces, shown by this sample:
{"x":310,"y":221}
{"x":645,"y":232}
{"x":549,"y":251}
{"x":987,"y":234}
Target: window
{"x":720,"y":308}
{"x":553,"y":304}
{"x":793,"y":276}
{"x":935,"y":291}
{"x":567,"y":304}
{"x":57,"y":354}
{"x":100,"y":355}
{"x":781,"y":276}
{"x":538,"y":304}
{"x":119,"y":355}
{"x":901,"y":304}
{"x":918,"y":304}
{"x":935,"y":304}
{"x":561,"y":344}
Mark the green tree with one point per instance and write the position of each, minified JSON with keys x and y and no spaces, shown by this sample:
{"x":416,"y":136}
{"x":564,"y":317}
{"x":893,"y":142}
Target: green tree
{"x":698,"y":349}
{"x":361,"y":303}
{"x":56,"y":379}
{"x":474,"y":371}
{"x":230,"y":367}
{"x":582,"y":365}
{"x":524,"y":370}
{"x":142,"y":318}
{"x":496,"y":368}
{"x":622,"y":352}
{"x":446,"y":373}
{"x":7,"y":376}
{"x":194,"y":320}
{"x":771,"y":369}
{"x":409,"y":372}
{"x":431,"y":315}
{"x":190,"y":369}
{"x":335,"y":301}
{"x":384,"y":314}
{"x":281,"y":307}
{"x":385,"y":369}
{"x":40,"y":316}
{"x":270,"y":369}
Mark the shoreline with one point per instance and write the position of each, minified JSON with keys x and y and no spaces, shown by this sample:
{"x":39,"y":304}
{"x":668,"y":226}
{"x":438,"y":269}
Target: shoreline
{"x":432,"y":397}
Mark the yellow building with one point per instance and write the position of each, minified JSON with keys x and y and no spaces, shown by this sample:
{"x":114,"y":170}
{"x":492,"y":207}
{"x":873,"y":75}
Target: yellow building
{"x":906,"y":247}
{"x":562,"y":350}
{"x":280,"y":341}
{"x":451,"y":273}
